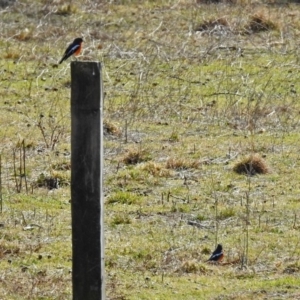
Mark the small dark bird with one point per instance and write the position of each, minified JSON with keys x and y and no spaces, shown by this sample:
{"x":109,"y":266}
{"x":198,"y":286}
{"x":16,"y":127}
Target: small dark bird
{"x":218,"y":254}
{"x":73,"y":48}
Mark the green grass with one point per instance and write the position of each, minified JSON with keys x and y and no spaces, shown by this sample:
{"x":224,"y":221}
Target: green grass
{"x":181,"y":109}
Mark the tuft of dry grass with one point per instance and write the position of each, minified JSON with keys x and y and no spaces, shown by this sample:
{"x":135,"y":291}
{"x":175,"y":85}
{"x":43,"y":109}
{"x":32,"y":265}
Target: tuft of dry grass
{"x":182,"y":163}
{"x":67,"y":9}
{"x":50,"y":182}
{"x":252,"y":165}
{"x":212,"y":24}
{"x":156,"y":169}
{"x":216,"y":1}
{"x":189,"y":267}
{"x":259,"y":23}
{"x":134,"y":156}
{"x":110,"y":128}
{"x":24,"y":35}
{"x":12,"y":54}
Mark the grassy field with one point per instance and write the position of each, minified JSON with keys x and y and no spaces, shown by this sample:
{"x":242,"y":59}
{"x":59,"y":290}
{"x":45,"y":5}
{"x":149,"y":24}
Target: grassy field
{"x":192,"y":91}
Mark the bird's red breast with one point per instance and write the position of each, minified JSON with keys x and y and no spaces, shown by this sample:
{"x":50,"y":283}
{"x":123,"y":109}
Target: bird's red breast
{"x":220,"y":257}
{"x":77,"y":52}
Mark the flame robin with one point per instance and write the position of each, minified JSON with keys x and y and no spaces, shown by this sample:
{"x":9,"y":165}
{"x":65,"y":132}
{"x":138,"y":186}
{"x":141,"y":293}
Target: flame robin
{"x":73,"y":48}
{"x":218,"y":254}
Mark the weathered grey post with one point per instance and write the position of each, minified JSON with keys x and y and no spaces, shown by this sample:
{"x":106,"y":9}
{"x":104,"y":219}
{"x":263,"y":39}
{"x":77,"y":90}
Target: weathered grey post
{"x":86,"y":181}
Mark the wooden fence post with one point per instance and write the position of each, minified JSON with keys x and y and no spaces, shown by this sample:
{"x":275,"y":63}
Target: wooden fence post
{"x":86,"y":181}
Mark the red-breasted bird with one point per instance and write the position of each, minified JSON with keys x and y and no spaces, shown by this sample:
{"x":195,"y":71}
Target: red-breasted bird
{"x":73,"y":48}
{"x":218,"y":254}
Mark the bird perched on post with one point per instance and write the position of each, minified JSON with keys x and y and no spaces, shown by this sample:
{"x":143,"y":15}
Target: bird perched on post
{"x":73,"y":48}
{"x":218,"y":254}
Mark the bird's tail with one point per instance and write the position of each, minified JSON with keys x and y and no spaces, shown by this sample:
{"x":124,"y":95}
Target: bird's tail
{"x":63,"y":58}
